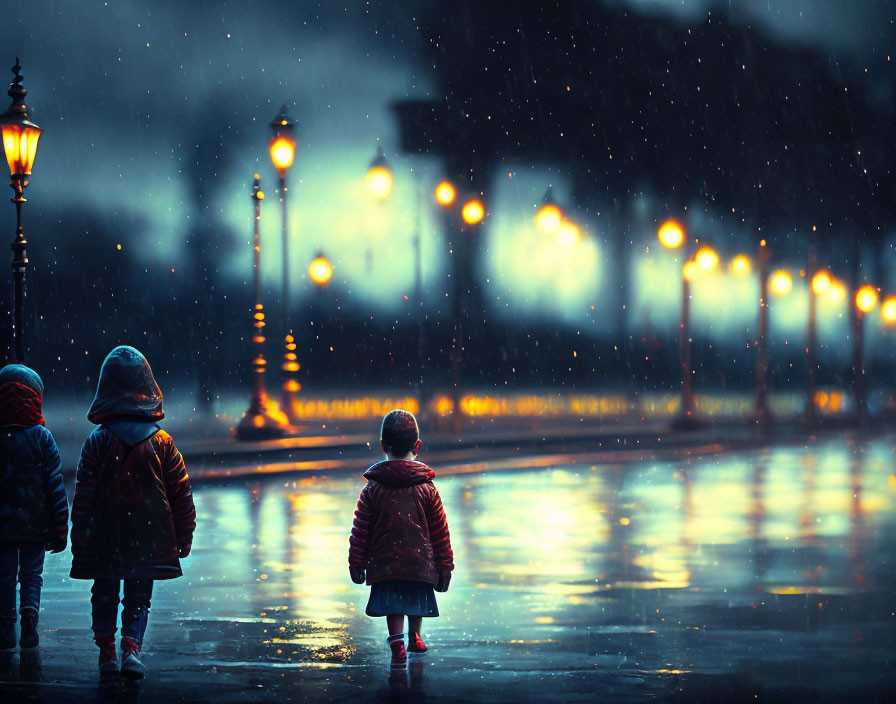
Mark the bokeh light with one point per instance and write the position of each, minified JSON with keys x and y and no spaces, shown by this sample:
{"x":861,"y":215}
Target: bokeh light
{"x":567,"y":234}
{"x":283,"y":152}
{"x":379,"y":181}
{"x":445,"y":194}
{"x":780,"y":283}
{"x":320,"y":270}
{"x":740,"y":265}
{"x":473,"y":212}
{"x":821,"y":282}
{"x":548,"y":218}
{"x":888,"y":310}
{"x":866,"y":298}
{"x":671,"y":234}
{"x":706,"y":259}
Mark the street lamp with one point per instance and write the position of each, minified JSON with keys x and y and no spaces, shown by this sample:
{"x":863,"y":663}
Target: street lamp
{"x":282,"y":148}
{"x":445,"y":194}
{"x":320,"y":271}
{"x":671,"y":235}
{"x":864,"y":302}
{"x":20,"y":137}
{"x":473,"y":211}
{"x":379,"y":176}
{"x":549,"y":215}
{"x":260,"y":422}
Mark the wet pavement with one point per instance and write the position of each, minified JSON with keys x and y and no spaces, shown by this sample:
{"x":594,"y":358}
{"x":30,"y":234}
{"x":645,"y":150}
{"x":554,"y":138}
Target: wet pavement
{"x":751,"y":576}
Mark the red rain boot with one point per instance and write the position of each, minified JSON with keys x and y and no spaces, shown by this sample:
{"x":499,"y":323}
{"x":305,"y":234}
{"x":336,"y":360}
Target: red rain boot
{"x":416,"y":645}
{"x":108,"y":659}
{"x":130,"y":664}
{"x":399,"y":655}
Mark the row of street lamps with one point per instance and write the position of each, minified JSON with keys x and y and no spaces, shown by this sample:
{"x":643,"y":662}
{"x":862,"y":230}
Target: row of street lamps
{"x":20,"y":138}
{"x":700,"y":258}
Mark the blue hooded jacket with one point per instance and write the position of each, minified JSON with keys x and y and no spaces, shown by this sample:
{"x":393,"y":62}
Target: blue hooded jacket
{"x":33,"y":503}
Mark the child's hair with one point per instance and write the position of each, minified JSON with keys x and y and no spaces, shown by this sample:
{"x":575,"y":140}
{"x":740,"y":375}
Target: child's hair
{"x":399,"y":433}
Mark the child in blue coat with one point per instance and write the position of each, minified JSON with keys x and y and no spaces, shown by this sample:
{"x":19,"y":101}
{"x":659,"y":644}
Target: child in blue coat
{"x":33,"y":504}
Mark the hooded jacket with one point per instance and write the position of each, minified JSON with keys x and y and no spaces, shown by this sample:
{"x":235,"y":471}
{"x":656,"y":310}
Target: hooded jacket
{"x":33,"y":504}
{"x":133,"y":506}
{"x":400,"y":530}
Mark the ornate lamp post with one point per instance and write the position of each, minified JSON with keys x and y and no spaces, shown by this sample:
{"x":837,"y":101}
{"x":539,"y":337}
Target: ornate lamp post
{"x":260,"y":421}
{"x":282,"y":148}
{"x":20,"y":137}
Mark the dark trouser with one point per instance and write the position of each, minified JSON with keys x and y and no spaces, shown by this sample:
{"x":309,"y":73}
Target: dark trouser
{"x":25,"y":562}
{"x":105,"y":596}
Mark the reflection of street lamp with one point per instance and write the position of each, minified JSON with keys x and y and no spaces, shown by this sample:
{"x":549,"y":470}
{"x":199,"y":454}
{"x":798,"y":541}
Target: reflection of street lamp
{"x":20,"y":137}
{"x":864,"y":302}
{"x":260,"y":422}
{"x":282,"y":148}
{"x":672,"y":236}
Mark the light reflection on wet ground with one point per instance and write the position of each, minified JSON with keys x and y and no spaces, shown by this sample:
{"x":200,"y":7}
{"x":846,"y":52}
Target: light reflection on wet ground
{"x":766,"y":574}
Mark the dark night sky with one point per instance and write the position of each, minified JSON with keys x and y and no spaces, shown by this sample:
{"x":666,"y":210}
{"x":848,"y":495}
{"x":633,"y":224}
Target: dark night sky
{"x":125,"y":90}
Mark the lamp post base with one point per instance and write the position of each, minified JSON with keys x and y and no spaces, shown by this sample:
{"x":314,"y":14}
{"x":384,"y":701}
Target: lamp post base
{"x":261,"y":421}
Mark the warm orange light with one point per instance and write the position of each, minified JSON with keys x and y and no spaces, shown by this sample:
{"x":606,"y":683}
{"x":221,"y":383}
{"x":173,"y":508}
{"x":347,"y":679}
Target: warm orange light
{"x":473,"y":212}
{"x":689,"y":270}
{"x":320,"y":270}
{"x":866,"y":299}
{"x":671,"y":234}
{"x":706,"y":259}
{"x":821,"y":282}
{"x":379,"y":181}
{"x":836,"y":292}
{"x":567,"y":234}
{"x":445,"y":194}
{"x":740,"y":265}
{"x":888,"y":310}
{"x":780,"y":283}
{"x":20,"y":145}
{"x":548,"y":218}
{"x":283,"y":152}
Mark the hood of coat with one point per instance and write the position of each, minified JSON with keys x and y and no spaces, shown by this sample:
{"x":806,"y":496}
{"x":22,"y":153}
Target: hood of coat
{"x":399,"y":473}
{"x":21,"y":397}
{"x":132,"y":432}
{"x":126,"y":389}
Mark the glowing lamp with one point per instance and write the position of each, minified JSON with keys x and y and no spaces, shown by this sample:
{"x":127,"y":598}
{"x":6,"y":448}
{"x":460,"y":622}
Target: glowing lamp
{"x":567,"y":234}
{"x":866,"y":299}
{"x":780,"y":283}
{"x":445,"y":194}
{"x":888,"y":310}
{"x":836,"y":292}
{"x":320,"y":270}
{"x":548,"y":218}
{"x":671,"y":234}
{"x":282,"y":146}
{"x":379,"y":176}
{"x":821,"y":282}
{"x":740,"y":265}
{"x":690,"y":270}
{"x":473,"y":212}
{"x":706,"y":259}
{"x":20,"y":134}
{"x":549,"y":215}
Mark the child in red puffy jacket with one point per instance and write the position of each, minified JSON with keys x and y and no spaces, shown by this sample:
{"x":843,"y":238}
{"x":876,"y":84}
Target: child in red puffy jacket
{"x":400,"y":542}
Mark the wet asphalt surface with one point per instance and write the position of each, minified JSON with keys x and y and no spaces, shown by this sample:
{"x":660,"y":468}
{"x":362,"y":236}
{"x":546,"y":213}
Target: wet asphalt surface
{"x":765,"y":575}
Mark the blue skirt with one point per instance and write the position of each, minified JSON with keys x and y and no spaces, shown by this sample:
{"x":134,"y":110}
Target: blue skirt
{"x":400,"y":596}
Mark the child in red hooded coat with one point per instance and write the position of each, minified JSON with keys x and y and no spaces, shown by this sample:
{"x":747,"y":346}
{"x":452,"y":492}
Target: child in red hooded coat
{"x":400,"y":542}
